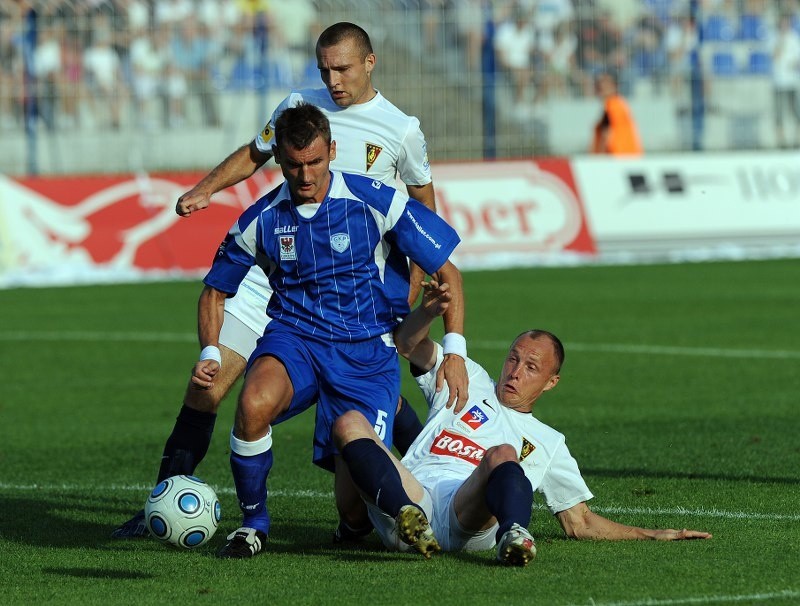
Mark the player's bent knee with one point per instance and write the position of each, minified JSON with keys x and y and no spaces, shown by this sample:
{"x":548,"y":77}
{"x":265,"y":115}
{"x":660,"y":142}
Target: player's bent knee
{"x":350,"y":426}
{"x":497,"y":455}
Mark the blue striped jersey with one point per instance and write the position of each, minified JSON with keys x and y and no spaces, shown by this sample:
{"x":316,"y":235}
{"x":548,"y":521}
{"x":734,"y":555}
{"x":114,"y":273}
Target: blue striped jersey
{"x":341,"y":274}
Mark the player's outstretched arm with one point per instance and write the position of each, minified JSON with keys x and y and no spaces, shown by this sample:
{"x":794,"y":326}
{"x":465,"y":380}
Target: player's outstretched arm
{"x":210,"y":313}
{"x":580,"y":522}
{"x":237,"y":167}
{"x":411,"y":336}
{"x":454,"y":369}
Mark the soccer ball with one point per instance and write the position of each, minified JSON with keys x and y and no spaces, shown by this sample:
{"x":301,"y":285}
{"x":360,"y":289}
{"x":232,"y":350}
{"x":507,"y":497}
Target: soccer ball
{"x":183,"y":511}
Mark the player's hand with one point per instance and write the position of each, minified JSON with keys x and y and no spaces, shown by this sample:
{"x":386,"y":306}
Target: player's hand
{"x":203,"y":374}
{"x":435,"y":298}
{"x":680,"y":535}
{"x":192,"y":201}
{"x":454,"y":371}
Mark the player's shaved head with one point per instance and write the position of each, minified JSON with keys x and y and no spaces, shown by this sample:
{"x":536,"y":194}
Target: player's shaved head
{"x":558,"y":346}
{"x":300,"y":125}
{"x":342,"y":31}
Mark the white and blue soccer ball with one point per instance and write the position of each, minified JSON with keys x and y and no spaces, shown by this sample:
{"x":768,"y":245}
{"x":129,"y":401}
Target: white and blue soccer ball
{"x":183,"y":511}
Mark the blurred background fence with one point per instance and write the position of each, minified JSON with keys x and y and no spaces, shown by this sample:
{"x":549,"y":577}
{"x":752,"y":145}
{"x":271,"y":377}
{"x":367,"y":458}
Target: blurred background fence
{"x":105,"y":86}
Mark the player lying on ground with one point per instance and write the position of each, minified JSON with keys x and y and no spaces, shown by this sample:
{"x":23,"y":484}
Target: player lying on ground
{"x":473,"y":473}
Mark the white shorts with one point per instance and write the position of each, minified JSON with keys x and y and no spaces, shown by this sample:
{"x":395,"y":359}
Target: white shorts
{"x":438,"y":503}
{"x":238,"y":336}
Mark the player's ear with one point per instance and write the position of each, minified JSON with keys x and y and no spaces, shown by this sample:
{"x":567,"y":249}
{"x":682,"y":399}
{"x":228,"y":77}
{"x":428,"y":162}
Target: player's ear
{"x":551,"y":382}
{"x":276,"y":154}
{"x":369,"y":62}
{"x":332,"y":154}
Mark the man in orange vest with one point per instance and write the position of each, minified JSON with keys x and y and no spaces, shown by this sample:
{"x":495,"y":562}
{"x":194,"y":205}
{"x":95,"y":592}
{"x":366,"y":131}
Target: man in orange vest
{"x":615,"y":133}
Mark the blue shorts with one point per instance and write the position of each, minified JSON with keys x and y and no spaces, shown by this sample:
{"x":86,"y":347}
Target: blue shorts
{"x":362,"y":376}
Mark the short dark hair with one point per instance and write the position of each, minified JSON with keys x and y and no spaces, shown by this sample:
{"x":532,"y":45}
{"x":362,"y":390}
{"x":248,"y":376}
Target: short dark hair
{"x":535,"y":333}
{"x":298,"y":126}
{"x":339,"y":32}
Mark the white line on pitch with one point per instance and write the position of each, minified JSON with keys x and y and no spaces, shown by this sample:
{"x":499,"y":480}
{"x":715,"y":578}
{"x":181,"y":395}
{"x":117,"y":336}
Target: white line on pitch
{"x":620,"y":348}
{"x":704,"y":599}
{"x":322,"y":494}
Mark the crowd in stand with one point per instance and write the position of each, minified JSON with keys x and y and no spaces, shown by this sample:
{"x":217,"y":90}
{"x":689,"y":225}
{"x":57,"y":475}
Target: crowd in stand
{"x":95,"y":57}
{"x":558,"y":47}
{"x":92,"y":58}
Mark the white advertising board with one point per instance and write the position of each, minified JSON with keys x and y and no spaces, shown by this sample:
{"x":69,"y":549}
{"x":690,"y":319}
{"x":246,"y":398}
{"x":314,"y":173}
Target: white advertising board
{"x":702,"y":198}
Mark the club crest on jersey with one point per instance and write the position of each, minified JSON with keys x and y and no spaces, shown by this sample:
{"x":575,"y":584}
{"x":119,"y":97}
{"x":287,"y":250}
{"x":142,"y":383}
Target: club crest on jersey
{"x":340,"y":242}
{"x":472,"y":419}
{"x":266,"y":134}
{"x":527,"y":449}
{"x":373,"y":151}
{"x":288,"y":251}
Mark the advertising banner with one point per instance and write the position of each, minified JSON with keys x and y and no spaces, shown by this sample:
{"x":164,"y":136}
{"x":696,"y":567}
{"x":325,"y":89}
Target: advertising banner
{"x":121,"y":228}
{"x":106,"y":229}
{"x":703,"y":198}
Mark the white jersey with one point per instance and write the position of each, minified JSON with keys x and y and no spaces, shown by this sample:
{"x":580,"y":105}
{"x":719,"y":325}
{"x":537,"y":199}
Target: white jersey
{"x":452,"y":445}
{"x":374,"y":139}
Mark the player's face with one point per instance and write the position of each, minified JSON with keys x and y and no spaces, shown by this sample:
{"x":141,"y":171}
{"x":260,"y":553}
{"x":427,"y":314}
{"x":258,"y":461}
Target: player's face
{"x":345,"y":73}
{"x":528,"y":371}
{"x":307,"y":170}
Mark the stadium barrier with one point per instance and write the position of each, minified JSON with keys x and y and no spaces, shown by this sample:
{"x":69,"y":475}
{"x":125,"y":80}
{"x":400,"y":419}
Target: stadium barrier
{"x":552,"y":211}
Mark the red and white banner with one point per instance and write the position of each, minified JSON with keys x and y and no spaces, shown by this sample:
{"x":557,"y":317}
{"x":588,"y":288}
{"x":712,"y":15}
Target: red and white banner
{"x":98,"y":229}
{"x":513,"y":213}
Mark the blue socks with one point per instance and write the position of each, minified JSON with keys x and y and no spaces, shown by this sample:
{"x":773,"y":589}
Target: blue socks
{"x":509,"y":496}
{"x":188,"y":443}
{"x":374,"y":473}
{"x":250,"y":477}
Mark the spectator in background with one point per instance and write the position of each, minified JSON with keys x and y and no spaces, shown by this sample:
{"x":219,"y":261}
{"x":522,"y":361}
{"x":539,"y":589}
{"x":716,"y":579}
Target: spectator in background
{"x":680,"y":41}
{"x":73,"y":80}
{"x":469,"y":21}
{"x":514,"y":44}
{"x":648,"y":52}
{"x":785,"y":47}
{"x":103,"y":71}
{"x":172,"y":12}
{"x":11,"y":87}
{"x":560,"y":62}
{"x":616,"y":132}
{"x":600,"y":49}
{"x":147,"y":67}
{"x":547,"y":16}
{"x":193,"y":54}
{"x":294,"y":29}
{"x":47,"y":68}
{"x":434,"y":12}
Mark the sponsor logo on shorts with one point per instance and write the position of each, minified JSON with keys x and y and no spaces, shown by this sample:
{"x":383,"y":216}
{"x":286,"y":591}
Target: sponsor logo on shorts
{"x":288,"y":252}
{"x":373,"y":151}
{"x":527,"y":449}
{"x":453,"y":445}
{"x":340,"y":242}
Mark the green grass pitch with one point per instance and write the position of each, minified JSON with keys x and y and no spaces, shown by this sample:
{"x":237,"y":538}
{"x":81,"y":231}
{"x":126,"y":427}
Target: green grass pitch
{"x":678,"y":398}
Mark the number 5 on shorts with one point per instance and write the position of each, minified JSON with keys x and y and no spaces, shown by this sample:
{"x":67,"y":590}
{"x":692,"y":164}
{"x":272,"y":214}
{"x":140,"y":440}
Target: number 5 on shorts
{"x":380,"y":424}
